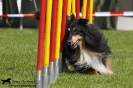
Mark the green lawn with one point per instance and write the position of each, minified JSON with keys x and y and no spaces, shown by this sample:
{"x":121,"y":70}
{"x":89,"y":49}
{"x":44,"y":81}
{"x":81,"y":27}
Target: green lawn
{"x":18,"y":53}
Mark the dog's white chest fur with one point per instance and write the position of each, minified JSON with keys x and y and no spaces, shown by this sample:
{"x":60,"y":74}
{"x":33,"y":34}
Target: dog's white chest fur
{"x":88,"y":60}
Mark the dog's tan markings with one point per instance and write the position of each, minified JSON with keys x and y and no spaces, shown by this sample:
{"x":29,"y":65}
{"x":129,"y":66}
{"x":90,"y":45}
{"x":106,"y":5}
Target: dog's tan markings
{"x":76,"y":37}
{"x":81,"y":44}
{"x":68,"y":29}
{"x":74,"y":28}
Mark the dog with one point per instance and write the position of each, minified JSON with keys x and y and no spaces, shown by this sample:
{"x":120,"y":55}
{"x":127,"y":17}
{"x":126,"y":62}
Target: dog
{"x":86,"y":48}
{"x":6,"y":81}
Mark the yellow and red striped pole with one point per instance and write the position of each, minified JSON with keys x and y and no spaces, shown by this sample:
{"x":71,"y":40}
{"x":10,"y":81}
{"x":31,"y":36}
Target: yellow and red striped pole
{"x":58,"y":35}
{"x":87,"y":10}
{"x":47,"y":44}
{"x":63,"y":32}
{"x":40,"y":44}
{"x":84,"y":9}
{"x":69,"y":7}
{"x":73,"y":7}
{"x":77,"y":9}
{"x":91,"y":12}
{"x":52,"y":40}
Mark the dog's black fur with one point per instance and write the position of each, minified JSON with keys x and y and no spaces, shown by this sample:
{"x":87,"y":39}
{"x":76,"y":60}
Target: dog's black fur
{"x":6,"y":81}
{"x":93,"y":42}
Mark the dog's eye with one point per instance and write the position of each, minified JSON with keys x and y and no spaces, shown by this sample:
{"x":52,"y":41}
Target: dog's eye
{"x":74,"y":31}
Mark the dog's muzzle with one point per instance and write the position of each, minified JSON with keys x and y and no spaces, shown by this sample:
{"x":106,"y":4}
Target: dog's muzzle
{"x":73,"y":44}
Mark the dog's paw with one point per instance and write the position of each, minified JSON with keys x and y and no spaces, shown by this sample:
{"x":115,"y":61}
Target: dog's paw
{"x":110,"y":72}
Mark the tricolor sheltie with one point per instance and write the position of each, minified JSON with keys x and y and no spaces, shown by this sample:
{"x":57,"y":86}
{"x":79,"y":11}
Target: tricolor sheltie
{"x":86,"y":49}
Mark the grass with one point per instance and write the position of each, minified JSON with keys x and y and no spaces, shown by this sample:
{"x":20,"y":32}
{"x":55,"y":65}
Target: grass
{"x":18,"y":53}
{"x":18,"y":56}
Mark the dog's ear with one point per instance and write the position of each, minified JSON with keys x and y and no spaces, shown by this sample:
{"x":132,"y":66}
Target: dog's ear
{"x":83,"y":21}
{"x":70,"y":18}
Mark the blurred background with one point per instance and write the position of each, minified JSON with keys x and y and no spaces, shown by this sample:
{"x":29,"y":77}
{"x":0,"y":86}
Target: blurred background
{"x":29,"y":6}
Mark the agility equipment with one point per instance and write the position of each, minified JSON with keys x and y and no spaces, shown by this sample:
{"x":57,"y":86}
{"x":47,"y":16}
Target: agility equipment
{"x":40,"y":44}
{"x":95,"y":14}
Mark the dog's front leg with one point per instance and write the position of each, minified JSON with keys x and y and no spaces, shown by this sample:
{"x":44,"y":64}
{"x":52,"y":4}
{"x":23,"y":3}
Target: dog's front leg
{"x":64,"y":65}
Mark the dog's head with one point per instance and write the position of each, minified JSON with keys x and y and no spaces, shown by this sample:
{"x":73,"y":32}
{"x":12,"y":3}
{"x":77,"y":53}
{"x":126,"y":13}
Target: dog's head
{"x":81,"y":33}
{"x":75,"y":31}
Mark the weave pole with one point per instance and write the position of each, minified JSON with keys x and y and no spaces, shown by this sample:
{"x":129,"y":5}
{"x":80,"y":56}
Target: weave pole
{"x":84,"y":9}
{"x":87,"y":9}
{"x":58,"y":35}
{"x":77,"y":9}
{"x":63,"y":32}
{"x":73,"y":7}
{"x":69,"y":7}
{"x":47,"y":44}
{"x":91,"y":12}
{"x":52,"y":42}
{"x":40,"y":44}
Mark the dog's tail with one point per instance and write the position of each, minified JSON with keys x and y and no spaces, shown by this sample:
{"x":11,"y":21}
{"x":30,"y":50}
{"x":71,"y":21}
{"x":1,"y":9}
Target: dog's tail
{"x":37,"y":15}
